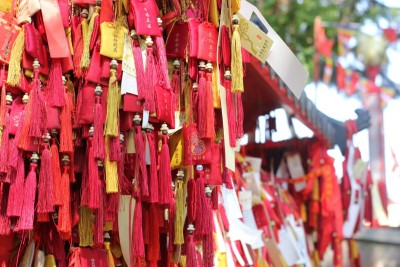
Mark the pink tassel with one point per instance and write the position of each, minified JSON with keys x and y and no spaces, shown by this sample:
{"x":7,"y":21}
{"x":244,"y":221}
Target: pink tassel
{"x":239,"y":115}
{"x":165,"y":194}
{"x":150,"y":77}
{"x":78,"y":51}
{"x":202,"y":102}
{"x":15,"y":197}
{"x":231,"y":109}
{"x":140,"y":78}
{"x":93,"y":177}
{"x":39,"y":118}
{"x":46,"y":183}
{"x":56,"y":171}
{"x":56,"y":85}
{"x":140,"y":160}
{"x":25,"y":222}
{"x":153,"y":168}
{"x":161,"y":55}
{"x":98,"y":137}
{"x":66,"y":145}
{"x":191,"y":254}
{"x":138,"y":245}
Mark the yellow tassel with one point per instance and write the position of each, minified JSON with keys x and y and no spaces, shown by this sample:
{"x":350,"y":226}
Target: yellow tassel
{"x":85,"y":227}
{"x":263,"y":263}
{"x":111,"y":126}
{"x":108,"y":226}
{"x":303,"y":212}
{"x":214,"y":14}
{"x":236,"y":63}
{"x":87,"y":36}
{"x":354,"y":249}
{"x":14,"y":66}
{"x":179,"y":219}
{"x":116,"y":251}
{"x":50,"y":261}
{"x":215,"y":87}
{"x":235,"y":6}
{"x":111,"y":176}
{"x":68,"y":33}
{"x":183,"y":261}
{"x":110,"y":256}
{"x":111,"y":168}
{"x":222,"y":259}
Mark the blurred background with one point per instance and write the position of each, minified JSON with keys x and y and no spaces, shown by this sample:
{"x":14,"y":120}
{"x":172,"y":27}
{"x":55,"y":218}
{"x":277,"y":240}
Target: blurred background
{"x":352,"y":52}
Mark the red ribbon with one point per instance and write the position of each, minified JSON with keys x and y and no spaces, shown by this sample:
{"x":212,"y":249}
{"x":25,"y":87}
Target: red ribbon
{"x":56,"y":38}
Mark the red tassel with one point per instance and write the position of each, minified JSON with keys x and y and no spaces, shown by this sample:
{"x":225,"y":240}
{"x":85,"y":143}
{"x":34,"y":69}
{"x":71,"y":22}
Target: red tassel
{"x":66,"y":145}
{"x":208,"y":250}
{"x":195,"y":102}
{"x":15,"y":197}
{"x":203,"y":222}
{"x":55,"y":84}
{"x":64,"y":212}
{"x":25,"y":222}
{"x":161,"y":55}
{"x":46,"y":183}
{"x":202,"y":102}
{"x":171,"y":224}
{"x":93,"y":177}
{"x":231,"y":109}
{"x":3,"y":105}
{"x":78,"y":51}
{"x":56,"y":171}
{"x":191,"y":255}
{"x":191,"y":200}
{"x":210,"y":119}
{"x":140,"y":78}
{"x":214,"y":198}
{"x":115,"y":148}
{"x":239,"y":115}
{"x":140,"y":161}
{"x":153,"y":253}
{"x":138,"y":245}
{"x":5,"y":143}
{"x":165,"y":194}
{"x":98,"y":137}
{"x":150,"y":77}
{"x":175,"y":83}
{"x":153,"y":191}
{"x":112,"y":205}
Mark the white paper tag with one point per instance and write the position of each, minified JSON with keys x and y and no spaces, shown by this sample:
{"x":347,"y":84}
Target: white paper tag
{"x":229,"y":152}
{"x":147,"y":155}
{"x":288,"y":247}
{"x":145,"y":119}
{"x":296,"y":169}
{"x":255,"y":163}
{"x":281,"y":58}
{"x":245,"y":198}
{"x":231,"y":203}
{"x":128,"y":61}
{"x":128,"y":84}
